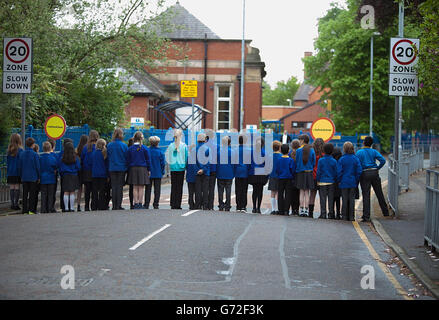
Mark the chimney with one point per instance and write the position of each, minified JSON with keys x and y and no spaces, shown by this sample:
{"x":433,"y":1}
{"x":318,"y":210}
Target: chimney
{"x":307,"y":54}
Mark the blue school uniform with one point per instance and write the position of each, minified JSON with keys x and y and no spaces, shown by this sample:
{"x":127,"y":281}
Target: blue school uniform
{"x":116,"y":151}
{"x":276,"y":157}
{"x":348,"y":171}
{"x":138,"y":156}
{"x":285,"y":168}
{"x":99,"y":165}
{"x":327,"y":170}
{"x":86,"y":158}
{"x":48,"y":166}
{"x":309,"y":166}
{"x":29,"y":166}
{"x":69,"y":169}
{"x":157,"y":162}
{"x":225,"y":171}
{"x":12,"y":164}
{"x":368,"y":157}
{"x":243,"y":167}
{"x":257,"y":156}
{"x":202,"y":165}
{"x":213,"y":150}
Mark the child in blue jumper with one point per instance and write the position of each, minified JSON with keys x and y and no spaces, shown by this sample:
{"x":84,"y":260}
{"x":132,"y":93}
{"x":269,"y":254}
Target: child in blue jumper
{"x":326,"y":180}
{"x":29,"y":166}
{"x":225,"y":172}
{"x":191,"y":173}
{"x":203,"y":173}
{"x":48,"y":165}
{"x":285,"y":171}
{"x":348,"y":175}
{"x":99,"y":173}
{"x":157,"y":172}
{"x":15,"y":149}
{"x":69,"y":166}
{"x":273,"y":180}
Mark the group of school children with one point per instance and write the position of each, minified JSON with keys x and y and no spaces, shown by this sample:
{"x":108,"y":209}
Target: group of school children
{"x":298,"y":171}
{"x":98,"y":169}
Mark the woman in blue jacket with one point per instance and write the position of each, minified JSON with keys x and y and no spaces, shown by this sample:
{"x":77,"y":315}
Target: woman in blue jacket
{"x":87,"y":179}
{"x":348,"y":175}
{"x":116,"y":152}
{"x":139,"y":166}
{"x":15,"y":148}
{"x":157,"y":172}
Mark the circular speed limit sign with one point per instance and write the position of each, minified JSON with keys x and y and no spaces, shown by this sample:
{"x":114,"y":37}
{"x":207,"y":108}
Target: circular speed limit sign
{"x":403,"y":52}
{"x":17,"y":50}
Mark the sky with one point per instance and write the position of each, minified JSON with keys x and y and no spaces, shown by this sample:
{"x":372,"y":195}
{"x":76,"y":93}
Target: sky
{"x":281,"y":29}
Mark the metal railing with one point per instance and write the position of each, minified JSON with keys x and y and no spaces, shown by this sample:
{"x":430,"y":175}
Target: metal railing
{"x":431,"y":219}
{"x":434,"y":156}
{"x":411,"y":162}
{"x":393,"y":184}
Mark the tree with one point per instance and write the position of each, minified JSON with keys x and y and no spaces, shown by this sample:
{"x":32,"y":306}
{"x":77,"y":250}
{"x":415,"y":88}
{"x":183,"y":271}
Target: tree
{"x":279,"y":95}
{"x":342,"y":64}
{"x":76,"y":44}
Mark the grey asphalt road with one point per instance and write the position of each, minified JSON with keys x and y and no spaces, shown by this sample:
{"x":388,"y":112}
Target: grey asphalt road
{"x":191,"y":255}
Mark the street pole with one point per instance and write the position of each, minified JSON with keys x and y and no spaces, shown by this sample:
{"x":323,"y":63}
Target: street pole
{"x":371,"y":86}
{"x":23,"y":117}
{"x":241,"y":119}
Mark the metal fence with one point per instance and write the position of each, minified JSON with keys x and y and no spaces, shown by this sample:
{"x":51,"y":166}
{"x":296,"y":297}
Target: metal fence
{"x":393,"y":184}
{"x":411,"y":162}
{"x":434,"y":156}
{"x":431,"y":219}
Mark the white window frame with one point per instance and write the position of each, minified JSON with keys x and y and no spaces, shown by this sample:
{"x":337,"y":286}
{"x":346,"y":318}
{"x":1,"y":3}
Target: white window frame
{"x":220,"y":99}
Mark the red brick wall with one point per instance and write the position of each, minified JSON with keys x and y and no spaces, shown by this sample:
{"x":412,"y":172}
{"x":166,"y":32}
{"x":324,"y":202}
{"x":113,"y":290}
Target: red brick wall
{"x":307,"y":115}
{"x":137,"y":107}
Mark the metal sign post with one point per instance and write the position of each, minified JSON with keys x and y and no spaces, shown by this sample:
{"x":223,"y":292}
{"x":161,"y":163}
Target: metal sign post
{"x":17,"y":71}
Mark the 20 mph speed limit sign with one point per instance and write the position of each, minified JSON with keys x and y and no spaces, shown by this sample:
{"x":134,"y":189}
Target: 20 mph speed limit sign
{"x":17,"y":65}
{"x":403,"y":79}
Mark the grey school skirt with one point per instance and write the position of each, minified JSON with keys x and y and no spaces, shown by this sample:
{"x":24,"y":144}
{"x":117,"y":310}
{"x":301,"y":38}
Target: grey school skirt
{"x":138,"y":176}
{"x":305,"y":181}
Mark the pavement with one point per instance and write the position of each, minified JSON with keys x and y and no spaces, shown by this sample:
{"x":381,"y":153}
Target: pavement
{"x":404,"y":234}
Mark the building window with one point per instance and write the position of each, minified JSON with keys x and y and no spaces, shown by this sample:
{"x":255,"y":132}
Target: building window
{"x":301,"y":125}
{"x":223,"y":106}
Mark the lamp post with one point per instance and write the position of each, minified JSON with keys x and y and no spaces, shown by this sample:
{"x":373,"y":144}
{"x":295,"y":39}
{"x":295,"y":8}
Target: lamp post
{"x":371,"y":83}
{"x":289,"y":102}
{"x":241,"y":107}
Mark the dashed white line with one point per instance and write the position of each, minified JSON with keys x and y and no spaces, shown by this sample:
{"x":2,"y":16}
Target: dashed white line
{"x":138,"y":244}
{"x":189,"y":213}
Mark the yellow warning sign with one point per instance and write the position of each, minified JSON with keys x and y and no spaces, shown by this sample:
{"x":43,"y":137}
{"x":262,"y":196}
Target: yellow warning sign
{"x":323,"y":128}
{"x":189,"y":89}
{"x":55,"y":127}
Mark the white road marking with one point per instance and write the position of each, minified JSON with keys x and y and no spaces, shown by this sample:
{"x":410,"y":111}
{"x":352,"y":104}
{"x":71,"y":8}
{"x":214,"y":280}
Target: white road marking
{"x":138,"y":244}
{"x":189,"y":213}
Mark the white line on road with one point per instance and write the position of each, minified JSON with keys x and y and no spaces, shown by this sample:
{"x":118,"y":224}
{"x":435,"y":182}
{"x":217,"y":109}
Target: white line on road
{"x":189,"y":213}
{"x":138,"y":244}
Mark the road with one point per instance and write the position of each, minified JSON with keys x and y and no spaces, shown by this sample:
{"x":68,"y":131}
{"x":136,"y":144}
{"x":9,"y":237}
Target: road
{"x":181,"y":254}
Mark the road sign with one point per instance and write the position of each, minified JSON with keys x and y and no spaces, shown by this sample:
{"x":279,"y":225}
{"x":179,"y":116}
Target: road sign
{"x":323,"y":128}
{"x":189,"y":89}
{"x":403,"y":79}
{"x":137,"y":122}
{"x":17,"y":65}
{"x":55,"y":127}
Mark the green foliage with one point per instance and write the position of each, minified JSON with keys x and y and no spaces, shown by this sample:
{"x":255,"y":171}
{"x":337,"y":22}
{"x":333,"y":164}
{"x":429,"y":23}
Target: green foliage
{"x":279,"y":95}
{"x":75,"y":43}
{"x":342,"y":64}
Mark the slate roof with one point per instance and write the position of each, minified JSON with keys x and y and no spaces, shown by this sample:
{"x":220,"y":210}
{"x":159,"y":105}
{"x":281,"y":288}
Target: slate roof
{"x":141,"y":83}
{"x":303,"y":92}
{"x":309,"y":105}
{"x":187,"y":26}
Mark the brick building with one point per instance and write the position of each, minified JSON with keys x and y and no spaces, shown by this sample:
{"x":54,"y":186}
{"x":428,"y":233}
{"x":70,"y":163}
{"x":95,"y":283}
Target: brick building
{"x":216,"y":64}
{"x":307,"y":107}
